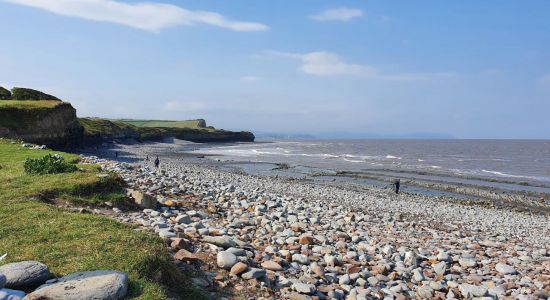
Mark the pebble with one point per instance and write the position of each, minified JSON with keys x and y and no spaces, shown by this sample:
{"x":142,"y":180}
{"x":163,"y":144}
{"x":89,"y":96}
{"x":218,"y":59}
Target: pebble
{"x":226,"y":260}
{"x":253,"y":273}
{"x":347,"y":244}
{"x":504,"y":268}
{"x":304,"y":288}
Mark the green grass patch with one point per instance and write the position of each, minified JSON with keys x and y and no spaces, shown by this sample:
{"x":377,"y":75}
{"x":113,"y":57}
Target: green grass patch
{"x":49,"y":164}
{"x":192,"y":124}
{"x":28,"y":105}
{"x":68,"y":242}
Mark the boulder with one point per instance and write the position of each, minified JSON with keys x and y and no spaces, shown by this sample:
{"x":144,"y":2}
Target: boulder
{"x":142,"y":199}
{"x":25,"y":274}
{"x":7,"y":294}
{"x":97,"y":285}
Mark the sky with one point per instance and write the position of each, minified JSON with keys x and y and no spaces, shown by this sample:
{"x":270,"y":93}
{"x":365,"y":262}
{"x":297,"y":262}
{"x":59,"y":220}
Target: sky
{"x":466,"y":69}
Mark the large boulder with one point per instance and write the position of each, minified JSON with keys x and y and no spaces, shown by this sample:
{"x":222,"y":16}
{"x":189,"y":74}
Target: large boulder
{"x":8,"y":294}
{"x":142,"y":199}
{"x":18,"y":93}
{"x":25,"y":274}
{"x":4,"y":94}
{"x":97,"y":285}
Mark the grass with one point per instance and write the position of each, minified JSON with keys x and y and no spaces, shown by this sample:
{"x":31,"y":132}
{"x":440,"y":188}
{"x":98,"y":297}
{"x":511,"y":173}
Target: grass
{"x":101,"y":126}
{"x":27,"y":104}
{"x":23,"y":113}
{"x":69,"y":242}
{"x":193,"y":124}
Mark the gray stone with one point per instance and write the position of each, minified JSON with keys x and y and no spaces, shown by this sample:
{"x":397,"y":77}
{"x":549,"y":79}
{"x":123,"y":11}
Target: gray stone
{"x":344,"y":279}
{"x":417,"y":275}
{"x":97,"y":285}
{"x":183,"y":219}
{"x":166,"y":233}
{"x":226,"y":260}
{"x":467,"y":262}
{"x":440,"y":268}
{"x":24,"y":274}
{"x":470,"y":290}
{"x":254,"y":273}
{"x":8,"y":294}
{"x":425,"y":292}
{"x":304,"y":288}
{"x":301,"y":259}
{"x":220,"y":241}
{"x":237,"y":251}
{"x":505,"y":269}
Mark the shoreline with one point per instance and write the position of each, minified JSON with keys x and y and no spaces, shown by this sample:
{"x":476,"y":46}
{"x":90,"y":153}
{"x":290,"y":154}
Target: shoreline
{"x":361,"y":241}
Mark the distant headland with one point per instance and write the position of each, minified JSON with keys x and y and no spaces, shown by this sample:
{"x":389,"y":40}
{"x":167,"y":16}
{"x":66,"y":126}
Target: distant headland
{"x":41,"y":118}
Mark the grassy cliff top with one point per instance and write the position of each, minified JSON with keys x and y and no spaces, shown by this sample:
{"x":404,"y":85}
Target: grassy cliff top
{"x":32,"y":229}
{"x":195,"y":124}
{"x":25,"y":104}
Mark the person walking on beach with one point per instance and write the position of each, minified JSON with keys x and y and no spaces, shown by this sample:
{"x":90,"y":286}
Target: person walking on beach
{"x":157,"y":162}
{"x":397,"y":184}
{"x":116,"y":154}
{"x":147,"y":158}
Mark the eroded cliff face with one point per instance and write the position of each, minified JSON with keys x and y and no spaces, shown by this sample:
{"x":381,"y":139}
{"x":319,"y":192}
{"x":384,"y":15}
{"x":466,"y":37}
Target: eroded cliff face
{"x":55,"y":127}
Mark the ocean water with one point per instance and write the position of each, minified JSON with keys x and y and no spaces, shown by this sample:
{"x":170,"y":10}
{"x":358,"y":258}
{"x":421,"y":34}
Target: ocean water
{"x":524,"y":162}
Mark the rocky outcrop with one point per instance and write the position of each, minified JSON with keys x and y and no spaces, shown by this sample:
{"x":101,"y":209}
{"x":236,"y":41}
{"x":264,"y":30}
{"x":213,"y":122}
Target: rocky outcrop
{"x":100,"y":130}
{"x":55,"y":126}
{"x":97,"y":131}
{"x":4,"y":94}
{"x":206,"y":136}
{"x":18,"y":93}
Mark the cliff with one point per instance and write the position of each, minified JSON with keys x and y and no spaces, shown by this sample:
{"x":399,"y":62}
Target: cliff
{"x":40,"y":118}
{"x":52,"y":123}
{"x":101,"y":130}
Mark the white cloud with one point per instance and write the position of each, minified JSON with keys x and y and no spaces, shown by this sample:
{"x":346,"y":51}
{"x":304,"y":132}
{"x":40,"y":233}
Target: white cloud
{"x":250,"y":78}
{"x":342,"y":14}
{"x":327,"y":64}
{"x":142,"y":15}
{"x":545,"y":80}
{"x":322,"y":63}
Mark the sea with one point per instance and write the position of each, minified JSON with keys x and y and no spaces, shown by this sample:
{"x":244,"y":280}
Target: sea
{"x":520,"y":165}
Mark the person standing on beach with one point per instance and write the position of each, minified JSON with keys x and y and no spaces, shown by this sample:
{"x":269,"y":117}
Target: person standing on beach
{"x":157,"y":162}
{"x":116,"y":154}
{"x":397,"y":184}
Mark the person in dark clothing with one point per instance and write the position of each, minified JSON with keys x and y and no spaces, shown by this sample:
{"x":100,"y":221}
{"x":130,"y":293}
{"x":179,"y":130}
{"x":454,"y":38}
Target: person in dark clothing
{"x":147,"y":158}
{"x":397,"y":184}
{"x":157,"y":162}
{"x":116,"y":154}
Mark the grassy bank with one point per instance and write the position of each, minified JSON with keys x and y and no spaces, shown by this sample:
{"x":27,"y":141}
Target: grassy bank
{"x":67,"y":242}
{"x":192,"y":124}
{"x":25,"y":104}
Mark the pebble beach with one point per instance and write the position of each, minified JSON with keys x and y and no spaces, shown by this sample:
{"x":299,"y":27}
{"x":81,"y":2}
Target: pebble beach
{"x":274,"y":238}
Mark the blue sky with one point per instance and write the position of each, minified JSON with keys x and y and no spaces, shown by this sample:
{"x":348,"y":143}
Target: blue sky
{"x":470,"y":69}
